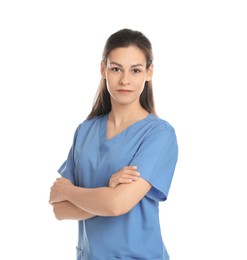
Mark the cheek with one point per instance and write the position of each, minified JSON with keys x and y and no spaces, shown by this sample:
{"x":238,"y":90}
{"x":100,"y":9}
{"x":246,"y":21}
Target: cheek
{"x":140,"y":85}
{"x":141,"y":90}
{"x":112,"y":82}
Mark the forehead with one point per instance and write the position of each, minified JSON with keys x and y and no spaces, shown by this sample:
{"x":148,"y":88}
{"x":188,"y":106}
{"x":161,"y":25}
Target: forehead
{"x":127,"y":55}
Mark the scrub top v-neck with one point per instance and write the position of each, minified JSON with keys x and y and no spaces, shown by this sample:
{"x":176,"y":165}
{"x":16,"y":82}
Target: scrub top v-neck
{"x":151,"y":145}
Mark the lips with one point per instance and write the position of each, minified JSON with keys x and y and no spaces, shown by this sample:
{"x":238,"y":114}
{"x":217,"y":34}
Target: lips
{"x":124,"y":91}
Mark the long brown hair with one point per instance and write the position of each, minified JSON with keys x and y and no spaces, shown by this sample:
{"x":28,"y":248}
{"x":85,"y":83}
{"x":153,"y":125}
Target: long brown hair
{"x":119,"y":39}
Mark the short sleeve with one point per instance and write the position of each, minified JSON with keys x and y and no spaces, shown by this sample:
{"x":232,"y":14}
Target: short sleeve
{"x":156,"y":159}
{"x":67,"y":169}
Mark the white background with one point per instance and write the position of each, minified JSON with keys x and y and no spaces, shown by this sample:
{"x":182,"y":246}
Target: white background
{"x":50,"y":53}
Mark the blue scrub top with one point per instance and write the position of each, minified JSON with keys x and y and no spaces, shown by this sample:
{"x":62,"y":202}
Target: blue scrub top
{"x":151,"y":145}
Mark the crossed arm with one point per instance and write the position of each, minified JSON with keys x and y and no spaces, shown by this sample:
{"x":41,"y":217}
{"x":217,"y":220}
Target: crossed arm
{"x":72,"y":202}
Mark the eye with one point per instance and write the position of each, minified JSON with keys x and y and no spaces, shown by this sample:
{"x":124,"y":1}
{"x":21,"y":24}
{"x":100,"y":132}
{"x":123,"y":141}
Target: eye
{"x":136,"y":71}
{"x":115,"y":69}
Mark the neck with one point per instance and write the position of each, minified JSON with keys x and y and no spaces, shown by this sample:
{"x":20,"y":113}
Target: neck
{"x":124,"y":114}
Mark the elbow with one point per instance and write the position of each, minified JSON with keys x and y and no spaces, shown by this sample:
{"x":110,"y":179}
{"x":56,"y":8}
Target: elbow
{"x":115,"y":212}
{"x":58,"y":217}
{"x":57,"y":212}
{"x":119,"y":204}
{"x":117,"y":209}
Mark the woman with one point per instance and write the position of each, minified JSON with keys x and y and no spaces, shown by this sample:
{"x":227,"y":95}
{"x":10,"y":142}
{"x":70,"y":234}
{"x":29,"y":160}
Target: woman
{"x":121,"y":162}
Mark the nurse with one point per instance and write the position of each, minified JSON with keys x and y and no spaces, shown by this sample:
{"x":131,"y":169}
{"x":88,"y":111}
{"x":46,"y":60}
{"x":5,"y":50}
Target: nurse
{"x":121,"y":162}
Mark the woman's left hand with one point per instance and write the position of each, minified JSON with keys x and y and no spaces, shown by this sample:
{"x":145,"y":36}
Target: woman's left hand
{"x":58,"y":190}
{"x":125,"y":175}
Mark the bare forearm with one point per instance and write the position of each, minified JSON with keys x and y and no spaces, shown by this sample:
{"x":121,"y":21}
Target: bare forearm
{"x":105,"y":201}
{"x":102,"y":201}
{"x":67,"y":210}
{"x":98,"y":201}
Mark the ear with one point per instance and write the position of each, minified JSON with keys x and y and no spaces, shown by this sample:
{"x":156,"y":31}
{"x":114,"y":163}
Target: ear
{"x":149,"y":73}
{"x":102,"y":69}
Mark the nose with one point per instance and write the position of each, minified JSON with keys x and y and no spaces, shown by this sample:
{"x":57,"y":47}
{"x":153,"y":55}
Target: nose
{"x":124,"y":80}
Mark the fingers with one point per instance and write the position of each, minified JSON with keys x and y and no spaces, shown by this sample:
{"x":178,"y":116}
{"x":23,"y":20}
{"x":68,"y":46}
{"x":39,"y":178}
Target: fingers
{"x":129,"y":172}
{"x":62,"y":180}
{"x":56,"y":190}
{"x":126,"y":175}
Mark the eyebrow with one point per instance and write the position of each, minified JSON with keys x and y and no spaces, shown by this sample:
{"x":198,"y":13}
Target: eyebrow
{"x":132,"y":66}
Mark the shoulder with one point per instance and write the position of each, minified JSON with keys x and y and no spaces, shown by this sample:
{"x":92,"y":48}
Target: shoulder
{"x":90,"y":122}
{"x":161,"y":137}
{"x":159,"y":125}
{"x":87,"y":124}
{"x":156,"y":132}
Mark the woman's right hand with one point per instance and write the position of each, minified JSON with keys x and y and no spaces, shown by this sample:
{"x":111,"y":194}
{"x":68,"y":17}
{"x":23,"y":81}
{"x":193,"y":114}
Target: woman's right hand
{"x":126,"y":175}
